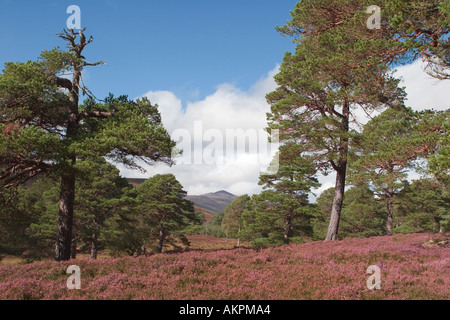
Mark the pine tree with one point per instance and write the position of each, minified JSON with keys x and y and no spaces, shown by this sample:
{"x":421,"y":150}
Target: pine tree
{"x":439,"y":160}
{"x":422,"y":28}
{"x":163,"y":207}
{"x":282,"y":211}
{"x":46,"y":129}
{"x":28,"y":221}
{"x":99,"y":194}
{"x":387,"y":149}
{"x":339,"y":68}
{"x":423,"y":206}
{"x":362,"y":214}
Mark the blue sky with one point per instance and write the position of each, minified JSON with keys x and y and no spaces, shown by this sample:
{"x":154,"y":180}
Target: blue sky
{"x":206,"y":62}
{"x":185,"y":46}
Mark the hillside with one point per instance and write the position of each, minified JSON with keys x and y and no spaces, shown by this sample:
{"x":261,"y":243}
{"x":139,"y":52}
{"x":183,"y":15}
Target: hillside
{"x":411,"y":268}
{"x":213,"y":202}
{"x":135,"y":181}
{"x":205,"y":213}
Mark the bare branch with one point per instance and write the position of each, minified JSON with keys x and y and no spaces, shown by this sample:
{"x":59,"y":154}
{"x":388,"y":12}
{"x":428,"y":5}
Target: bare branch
{"x":88,"y":64}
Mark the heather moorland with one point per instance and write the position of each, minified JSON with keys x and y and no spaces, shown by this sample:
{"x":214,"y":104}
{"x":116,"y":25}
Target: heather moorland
{"x":412,"y":267}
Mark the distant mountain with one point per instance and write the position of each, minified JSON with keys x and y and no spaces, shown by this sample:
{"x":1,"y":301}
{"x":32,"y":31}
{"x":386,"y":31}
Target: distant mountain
{"x":213,"y":202}
{"x":135,"y":181}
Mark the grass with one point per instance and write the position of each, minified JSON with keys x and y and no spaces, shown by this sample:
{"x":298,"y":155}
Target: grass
{"x":11,"y":260}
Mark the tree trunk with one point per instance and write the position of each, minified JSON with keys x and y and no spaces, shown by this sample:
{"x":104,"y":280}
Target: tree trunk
{"x":73,"y":249}
{"x":65,"y":221}
{"x":161,"y":239}
{"x":341,"y":172}
{"x":94,"y":246}
{"x":439,"y":225}
{"x":333,"y":228}
{"x":390,"y":213}
{"x":287,"y":228}
{"x":67,"y":194}
{"x":239,"y":231}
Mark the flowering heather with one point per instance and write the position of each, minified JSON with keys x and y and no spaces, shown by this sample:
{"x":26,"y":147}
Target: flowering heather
{"x":332,"y":270}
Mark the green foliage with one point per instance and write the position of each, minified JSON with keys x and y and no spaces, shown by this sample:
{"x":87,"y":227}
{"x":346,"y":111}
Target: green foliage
{"x":126,"y":232}
{"x":214,"y":227}
{"x":439,"y":161}
{"x":232,"y":221}
{"x":13,"y":226}
{"x":270,"y":213}
{"x":385,"y":150}
{"x":339,"y":67}
{"x":131,"y":132}
{"x":156,"y":214}
{"x":43,"y":231}
{"x":196,"y":226}
{"x":388,"y":147}
{"x":28,"y":221}
{"x":423,"y":206}
{"x":362,"y":216}
{"x":45,"y":131}
{"x":295,"y":174}
{"x":100,"y":196}
{"x":422,"y":29}
{"x":282,"y":211}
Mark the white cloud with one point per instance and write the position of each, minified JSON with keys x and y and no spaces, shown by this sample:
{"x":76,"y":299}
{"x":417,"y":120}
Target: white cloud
{"x":424,"y":92}
{"x":230,"y":108}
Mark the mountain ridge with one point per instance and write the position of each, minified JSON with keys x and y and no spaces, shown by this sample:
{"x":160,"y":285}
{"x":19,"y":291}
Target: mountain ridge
{"x":214,"y":202}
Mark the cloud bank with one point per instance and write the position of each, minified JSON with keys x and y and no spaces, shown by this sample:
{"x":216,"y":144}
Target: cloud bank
{"x":230,"y":108}
{"x":210,"y":123}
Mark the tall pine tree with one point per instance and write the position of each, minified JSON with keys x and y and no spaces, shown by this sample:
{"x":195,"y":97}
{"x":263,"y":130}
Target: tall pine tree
{"x":338,"y":69}
{"x":161,"y":201}
{"x":45,"y":129}
{"x":387,"y":149}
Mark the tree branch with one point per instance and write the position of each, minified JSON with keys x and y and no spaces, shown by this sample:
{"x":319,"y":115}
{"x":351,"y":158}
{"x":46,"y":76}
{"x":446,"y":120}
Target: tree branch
{"x":96,"y":114}
{"x":335,"y":167}
{"x":88,"y":64}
